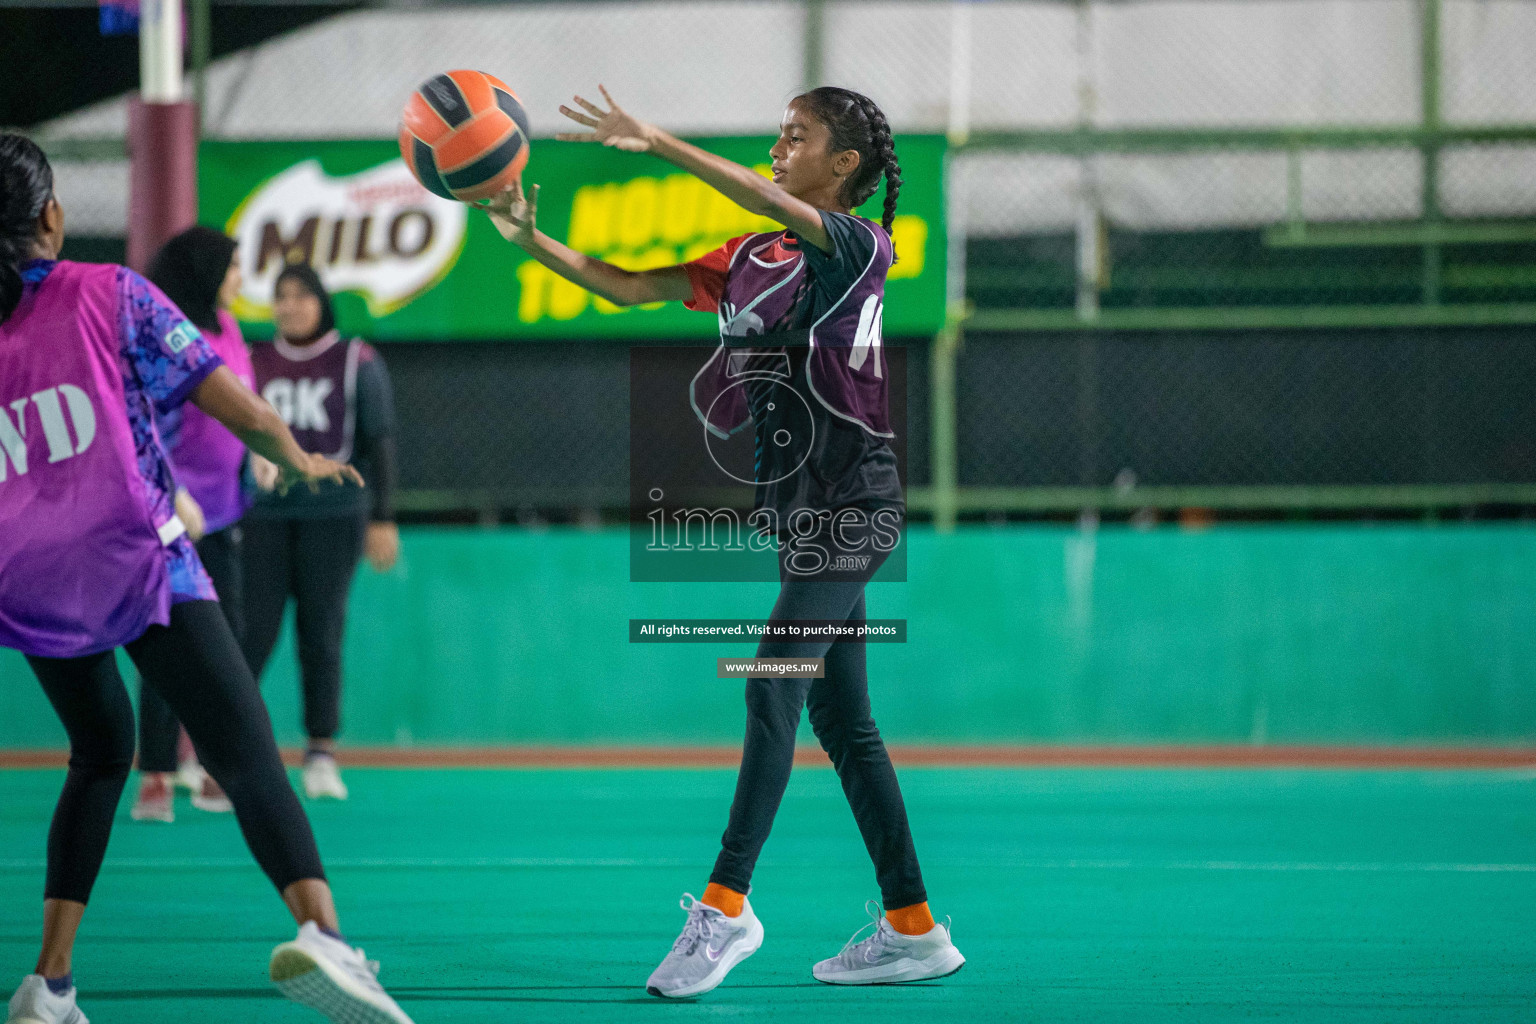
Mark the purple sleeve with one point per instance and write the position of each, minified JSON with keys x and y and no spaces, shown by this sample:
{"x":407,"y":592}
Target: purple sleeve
{"x":168,"y":355}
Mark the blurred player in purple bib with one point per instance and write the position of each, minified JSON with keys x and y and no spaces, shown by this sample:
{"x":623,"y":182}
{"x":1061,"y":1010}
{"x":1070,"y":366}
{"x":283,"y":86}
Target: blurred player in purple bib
{"x":93,"y":557}
{"x":198,"y":271}
{"x":800,"y":313}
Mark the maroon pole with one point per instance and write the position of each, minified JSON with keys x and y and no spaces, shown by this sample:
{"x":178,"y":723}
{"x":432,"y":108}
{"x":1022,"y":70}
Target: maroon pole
{"x":162,"y":175}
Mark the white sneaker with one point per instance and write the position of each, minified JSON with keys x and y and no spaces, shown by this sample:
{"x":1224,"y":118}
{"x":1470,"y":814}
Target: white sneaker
{"x":327,"y":975}
{"x":35,"y":1003}
{"x":710,"y":945}
{"x":887,"y":957}
{"x":212,"y":798}
{"x":190,"y":775}
{"x":157,"y":798}
{"x":322,"y":779}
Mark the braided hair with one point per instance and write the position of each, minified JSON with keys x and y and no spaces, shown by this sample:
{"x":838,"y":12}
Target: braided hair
{"x":856,"y":123}
{"x":26,"y":185}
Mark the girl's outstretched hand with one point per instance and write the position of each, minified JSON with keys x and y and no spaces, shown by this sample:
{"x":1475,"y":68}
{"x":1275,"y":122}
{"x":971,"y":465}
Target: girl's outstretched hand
{"x":612,"y":127}
{"x":514,"y":214}
{"x":314,"y":470}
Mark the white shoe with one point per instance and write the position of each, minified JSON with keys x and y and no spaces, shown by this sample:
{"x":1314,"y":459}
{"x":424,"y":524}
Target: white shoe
{"x":157,"y":798}
{"x":887,"y":957}
{"x":35,"y":1003}
{"x":710,"y":945}
{"x":322,"y":779}
{"x":211,"y":797}
{"x":189,"y":775}
{"x":327,"y":975}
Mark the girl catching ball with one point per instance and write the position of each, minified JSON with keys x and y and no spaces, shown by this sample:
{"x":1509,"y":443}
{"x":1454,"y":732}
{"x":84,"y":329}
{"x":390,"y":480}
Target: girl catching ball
{"x":809,"y":299}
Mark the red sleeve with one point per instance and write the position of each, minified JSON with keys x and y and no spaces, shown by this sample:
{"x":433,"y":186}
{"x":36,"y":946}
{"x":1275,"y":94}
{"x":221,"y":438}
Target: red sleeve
{"x":707,"y":275}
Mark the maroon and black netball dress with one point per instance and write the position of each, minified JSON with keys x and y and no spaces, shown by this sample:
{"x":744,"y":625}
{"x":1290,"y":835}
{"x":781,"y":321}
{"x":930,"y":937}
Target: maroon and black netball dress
{"x":805,"y":325}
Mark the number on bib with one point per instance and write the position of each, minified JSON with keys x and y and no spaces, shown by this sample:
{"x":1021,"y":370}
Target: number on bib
{"x":867,"y":340}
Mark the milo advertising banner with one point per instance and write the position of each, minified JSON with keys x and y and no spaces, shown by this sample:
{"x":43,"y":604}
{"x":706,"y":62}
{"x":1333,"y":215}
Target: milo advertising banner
{"x":406,"y":265}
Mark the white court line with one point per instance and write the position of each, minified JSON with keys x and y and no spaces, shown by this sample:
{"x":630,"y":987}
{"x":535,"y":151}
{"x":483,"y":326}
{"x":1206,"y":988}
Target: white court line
{"x":497,"y":863}
{"x":398,"y":863}
{"x":1280,"y":866}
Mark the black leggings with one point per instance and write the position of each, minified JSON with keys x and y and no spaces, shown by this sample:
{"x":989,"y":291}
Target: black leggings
{"x":840,"y":716}
{"x":313,"y":561}
{"x":158,"y":728}
{"x":196,"y":666}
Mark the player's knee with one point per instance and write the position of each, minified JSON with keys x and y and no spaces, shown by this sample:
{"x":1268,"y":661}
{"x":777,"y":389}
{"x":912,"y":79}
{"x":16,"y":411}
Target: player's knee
{"x":769,"y":706}
{"x":320,"y":661}
{"x":829,"y":730}
{"x":108,"y":755}
{"x":243,"y":768}
{"x":843,"y":739}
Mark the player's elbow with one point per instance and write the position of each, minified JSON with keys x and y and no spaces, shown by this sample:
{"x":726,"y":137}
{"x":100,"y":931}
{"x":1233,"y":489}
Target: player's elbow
{"x":627,"y":292}
{"x":635,"y":289}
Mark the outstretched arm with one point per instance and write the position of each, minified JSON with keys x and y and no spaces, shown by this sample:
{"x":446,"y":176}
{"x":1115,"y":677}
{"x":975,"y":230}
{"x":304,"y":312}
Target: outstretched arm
{"x":259,"y":427}
{"x":515,"y":216}
{"x":741,"y":185}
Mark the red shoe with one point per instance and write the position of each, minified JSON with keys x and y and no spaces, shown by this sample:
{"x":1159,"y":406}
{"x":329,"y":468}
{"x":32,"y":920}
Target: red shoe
{"x":156,"y":798}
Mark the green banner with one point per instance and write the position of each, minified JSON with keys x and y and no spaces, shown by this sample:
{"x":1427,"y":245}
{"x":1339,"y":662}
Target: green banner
{"x":405,"y":265}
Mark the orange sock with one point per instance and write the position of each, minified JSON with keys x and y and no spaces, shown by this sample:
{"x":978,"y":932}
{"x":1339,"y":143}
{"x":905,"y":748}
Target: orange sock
{"x":913,"y":920}
{"x":727,"y":901}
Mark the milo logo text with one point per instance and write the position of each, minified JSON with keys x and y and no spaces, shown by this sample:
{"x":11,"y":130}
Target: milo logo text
{"x":377,"y":233}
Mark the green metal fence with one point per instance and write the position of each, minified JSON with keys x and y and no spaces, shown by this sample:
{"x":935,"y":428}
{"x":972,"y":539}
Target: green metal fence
{"x":1285,"y":272}
{"x":1412,"y":209}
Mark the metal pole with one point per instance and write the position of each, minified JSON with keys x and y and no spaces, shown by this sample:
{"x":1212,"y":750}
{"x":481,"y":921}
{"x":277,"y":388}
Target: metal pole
{"x":1295,"y":212}
{"x":956,"y":189}
{"x":959,"y":72}
{"x":815,"y":69}
{"x":942,"y":405}
{"x":202,"y":48}
{"x":1089,"y":229}
{"x":162,"y":137}
{"x":160,"y":51}
{"x":1429,"y":98}
{"x":942,"y":434}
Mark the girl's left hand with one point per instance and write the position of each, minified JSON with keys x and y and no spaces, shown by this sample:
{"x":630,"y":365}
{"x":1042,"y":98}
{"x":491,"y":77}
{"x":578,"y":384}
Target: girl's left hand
{"x":314,"y":470}
{"x":514,"y":214}
{"x":612,"y":127}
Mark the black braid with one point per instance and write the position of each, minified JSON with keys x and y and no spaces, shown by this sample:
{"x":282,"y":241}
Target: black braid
{"x":856,"y":122}
{"x":885,"y":158}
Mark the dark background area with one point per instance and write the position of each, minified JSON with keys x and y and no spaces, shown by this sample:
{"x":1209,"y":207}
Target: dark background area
{"x":543,"y":428}
{"x":57,"y":60}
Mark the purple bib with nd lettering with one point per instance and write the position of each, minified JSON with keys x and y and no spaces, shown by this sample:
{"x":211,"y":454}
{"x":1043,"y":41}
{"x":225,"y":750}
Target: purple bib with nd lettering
{"x":314,"y":389}
{"x":82,"y":564}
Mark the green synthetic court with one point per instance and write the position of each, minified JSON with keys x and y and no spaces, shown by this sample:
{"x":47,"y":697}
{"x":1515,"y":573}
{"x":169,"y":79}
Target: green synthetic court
{"x":1093,"y":894}
{"x":1077,"y":895}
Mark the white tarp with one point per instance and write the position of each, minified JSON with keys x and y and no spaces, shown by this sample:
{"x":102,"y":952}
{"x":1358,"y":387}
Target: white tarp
{"x":721,"y":67}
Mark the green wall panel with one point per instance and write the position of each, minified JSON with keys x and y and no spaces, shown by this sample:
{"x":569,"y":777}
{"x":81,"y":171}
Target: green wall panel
{"x":1346,"y":634}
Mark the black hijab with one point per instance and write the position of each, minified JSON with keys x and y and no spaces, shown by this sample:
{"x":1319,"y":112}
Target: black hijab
{"x":190,"y":269}
{"x":306,"y":276}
